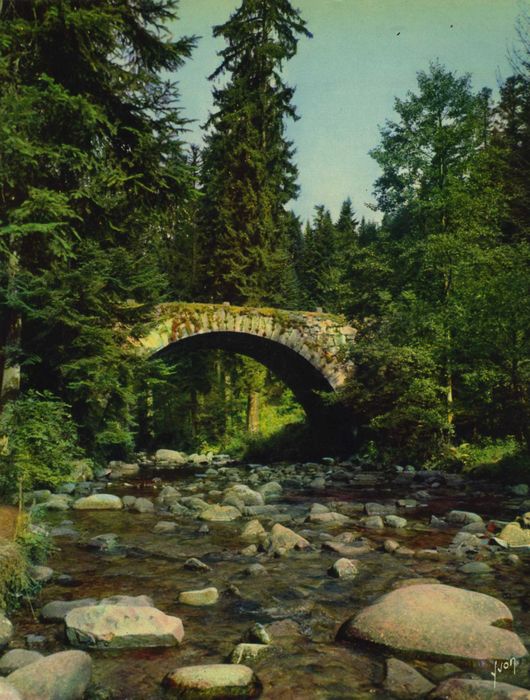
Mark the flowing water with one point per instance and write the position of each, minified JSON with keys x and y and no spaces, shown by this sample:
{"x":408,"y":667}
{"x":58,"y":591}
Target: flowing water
{"x":296,"y":593}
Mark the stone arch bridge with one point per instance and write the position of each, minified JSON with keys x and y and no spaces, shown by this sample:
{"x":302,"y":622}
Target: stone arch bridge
{"x":305,"y":349}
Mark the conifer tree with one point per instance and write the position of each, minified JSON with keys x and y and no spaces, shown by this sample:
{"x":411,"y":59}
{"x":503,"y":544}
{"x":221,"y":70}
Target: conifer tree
{"x":248,"y":172}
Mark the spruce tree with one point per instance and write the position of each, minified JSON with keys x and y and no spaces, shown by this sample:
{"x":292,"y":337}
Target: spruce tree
{"x":248,"y":173}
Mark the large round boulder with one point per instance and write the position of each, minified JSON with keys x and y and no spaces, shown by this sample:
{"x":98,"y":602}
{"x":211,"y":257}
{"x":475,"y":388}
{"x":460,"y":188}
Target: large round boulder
{"x":61,"y":676}
{"x":438,"y":621}
{"x":99,"y":501}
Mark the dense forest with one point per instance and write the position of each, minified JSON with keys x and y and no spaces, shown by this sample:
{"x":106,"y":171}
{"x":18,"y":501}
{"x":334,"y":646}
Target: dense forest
{"x":107,"y":211}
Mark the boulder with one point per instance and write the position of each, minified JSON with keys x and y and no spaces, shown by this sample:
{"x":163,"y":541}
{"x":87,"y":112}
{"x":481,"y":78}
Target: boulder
{"x":120,"y":626}
{"x":471,"y":689}
{"x":404,"y":682}
{"x":204,"y":596}
{"x":56,"y":610}
{"x":438,"y":621}
{"x":329,"y":518}
{"x":379,"y":509}
{"x":395,"y":521}
{"x":514,"y":535}
{"x":220,"y":514}
{"x":245,"y":652}
{"x":270,"y":490}
{"x":17,"y":658}
{"x":253,"y":531}
{"x":62,"y":676}
{"x":213,"y":681}
{"x":344,"y":568}
{"x":462,"y":517}
{"x":99,"y":501}
{"x":8,"y":692}
{"x":284,"y":539}
{"x":243,"y":493}
{"x":6,"y":631}
{"x":143,"y":505}
{"x":373,"y":522}
{"x":171,"y":456}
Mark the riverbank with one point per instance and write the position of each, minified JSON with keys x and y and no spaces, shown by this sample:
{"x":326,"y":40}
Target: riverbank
{"x":287,"y":557}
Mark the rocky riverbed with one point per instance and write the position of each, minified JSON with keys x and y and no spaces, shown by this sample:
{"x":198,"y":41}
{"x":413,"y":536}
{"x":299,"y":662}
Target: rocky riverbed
{"x":328,"y":580}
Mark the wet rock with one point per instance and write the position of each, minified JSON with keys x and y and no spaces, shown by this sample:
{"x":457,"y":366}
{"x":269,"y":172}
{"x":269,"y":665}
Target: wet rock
{"x":395,"y":521}
{"x":318,"y":483}
{"x":253,"y":531}
{"x":403,"y":551}
{"x":373,"y":522}
{"x":344,"y":568}
{"x":329,"y":518}
{"x":463,"y":517}
{"x":255,"y":570}
{"x":164,"y":527}
{"x":213,"y":681}
{"x":198,"y":598}
{"x":17,"y":658}
{"x":120,"y":470}
{"x":64,"y":531}
{"x":8,"y":692}
{"x":379,"y":509}
{"x":244,"y":494}
{"x":143,"y":505}
{"x":438,"y":620}
{"x":319,"y":508}
{"x":475,"y":528}
{"x":167,"y":496}
{"x":270,"y":490}
{"x":120,"y":626}
{"x":172,"y":457}
{"x":6,"y":631}
{"x":107,"y":542}
{"x":251,"y":511}
{"x":56,"y":610}
{"x":220,"y":514}
{"x":245,"y":652}
{"x":476,"y":567}
{"x":99,"y":501}
{"x":348,"y":550}
{"x":404,"y":682}
{"x":128,"y":501}
{"x":283,"y":631}
{"x":196,"y":565}
{"x":180,"y":511}
{"x":514,"y":535}
{"x":519,"y":489}
{"x":61,"y":676}
{"x":194,"y":503}
{"x":391,"y":546}
{"x":470,"y":689}
{"x":438,"y":672}
{"x":41,"y":574}
{"x":407,"y":503}
{"x":59,"y":501}
{"x":438,"y":523}
{"x":283,"y":538}
{"x":257,"y":634}
{"x":249,"y":551}
{"x":428,"y":554}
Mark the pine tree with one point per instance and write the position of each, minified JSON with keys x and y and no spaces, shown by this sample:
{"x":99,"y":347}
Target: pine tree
{"x":248,"y":173}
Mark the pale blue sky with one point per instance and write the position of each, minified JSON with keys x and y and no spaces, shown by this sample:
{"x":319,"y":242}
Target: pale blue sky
{"x":363,"y":54}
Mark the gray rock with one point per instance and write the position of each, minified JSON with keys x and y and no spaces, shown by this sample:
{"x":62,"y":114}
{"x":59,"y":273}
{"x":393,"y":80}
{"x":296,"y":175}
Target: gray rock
{"x":143,"y":505}
{"x":107,"y":542}
{"x":218,"y":513}
{"x":58,"y":501}
{"x":213,"y":681}
{"x":128,"y":501}
{"x":373,"y":522}
{"x":476,"y":567}
{"x":56,"y":610}
{"x":379,"y":509}
{"x":245,"y":652}
{"x":404,"y":682}
{"x":462,"y":517}
{"x":99,"y":501}
{"x":119,"y":627}
{"x":8,"y":692}
{"x":171,"y":456}
{"x":62,"y":676}
{"x":283,"y":539}
{"x":165,"y":527}
{"x":41,"y":574}
{"x":344,"y":568}
{"x":395,"y":521}
{"x":204,"y":596}
{"x":6,"y":631}
{"x":196,"y":565}
{"x":471,"y":689}
{"x":17,"y":658}
{"x":519,"y":489}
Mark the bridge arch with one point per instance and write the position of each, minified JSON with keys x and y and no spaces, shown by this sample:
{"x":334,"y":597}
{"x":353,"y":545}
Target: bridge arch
{"x":304,"y":349}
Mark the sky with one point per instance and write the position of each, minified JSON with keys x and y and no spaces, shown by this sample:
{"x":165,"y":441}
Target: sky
{"x":363,"y":54}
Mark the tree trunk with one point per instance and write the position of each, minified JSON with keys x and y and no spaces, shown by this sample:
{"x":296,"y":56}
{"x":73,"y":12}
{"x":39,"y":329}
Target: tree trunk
{"x":253,"y":412}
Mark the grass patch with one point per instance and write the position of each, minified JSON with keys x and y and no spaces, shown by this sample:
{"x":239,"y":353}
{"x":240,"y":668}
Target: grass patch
{"x":501,"y":460}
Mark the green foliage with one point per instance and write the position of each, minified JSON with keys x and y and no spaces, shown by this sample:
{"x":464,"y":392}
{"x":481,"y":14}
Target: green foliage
{"x":39,"y":442}
{"x":248,"y":175}
{"x":15,"y":582}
